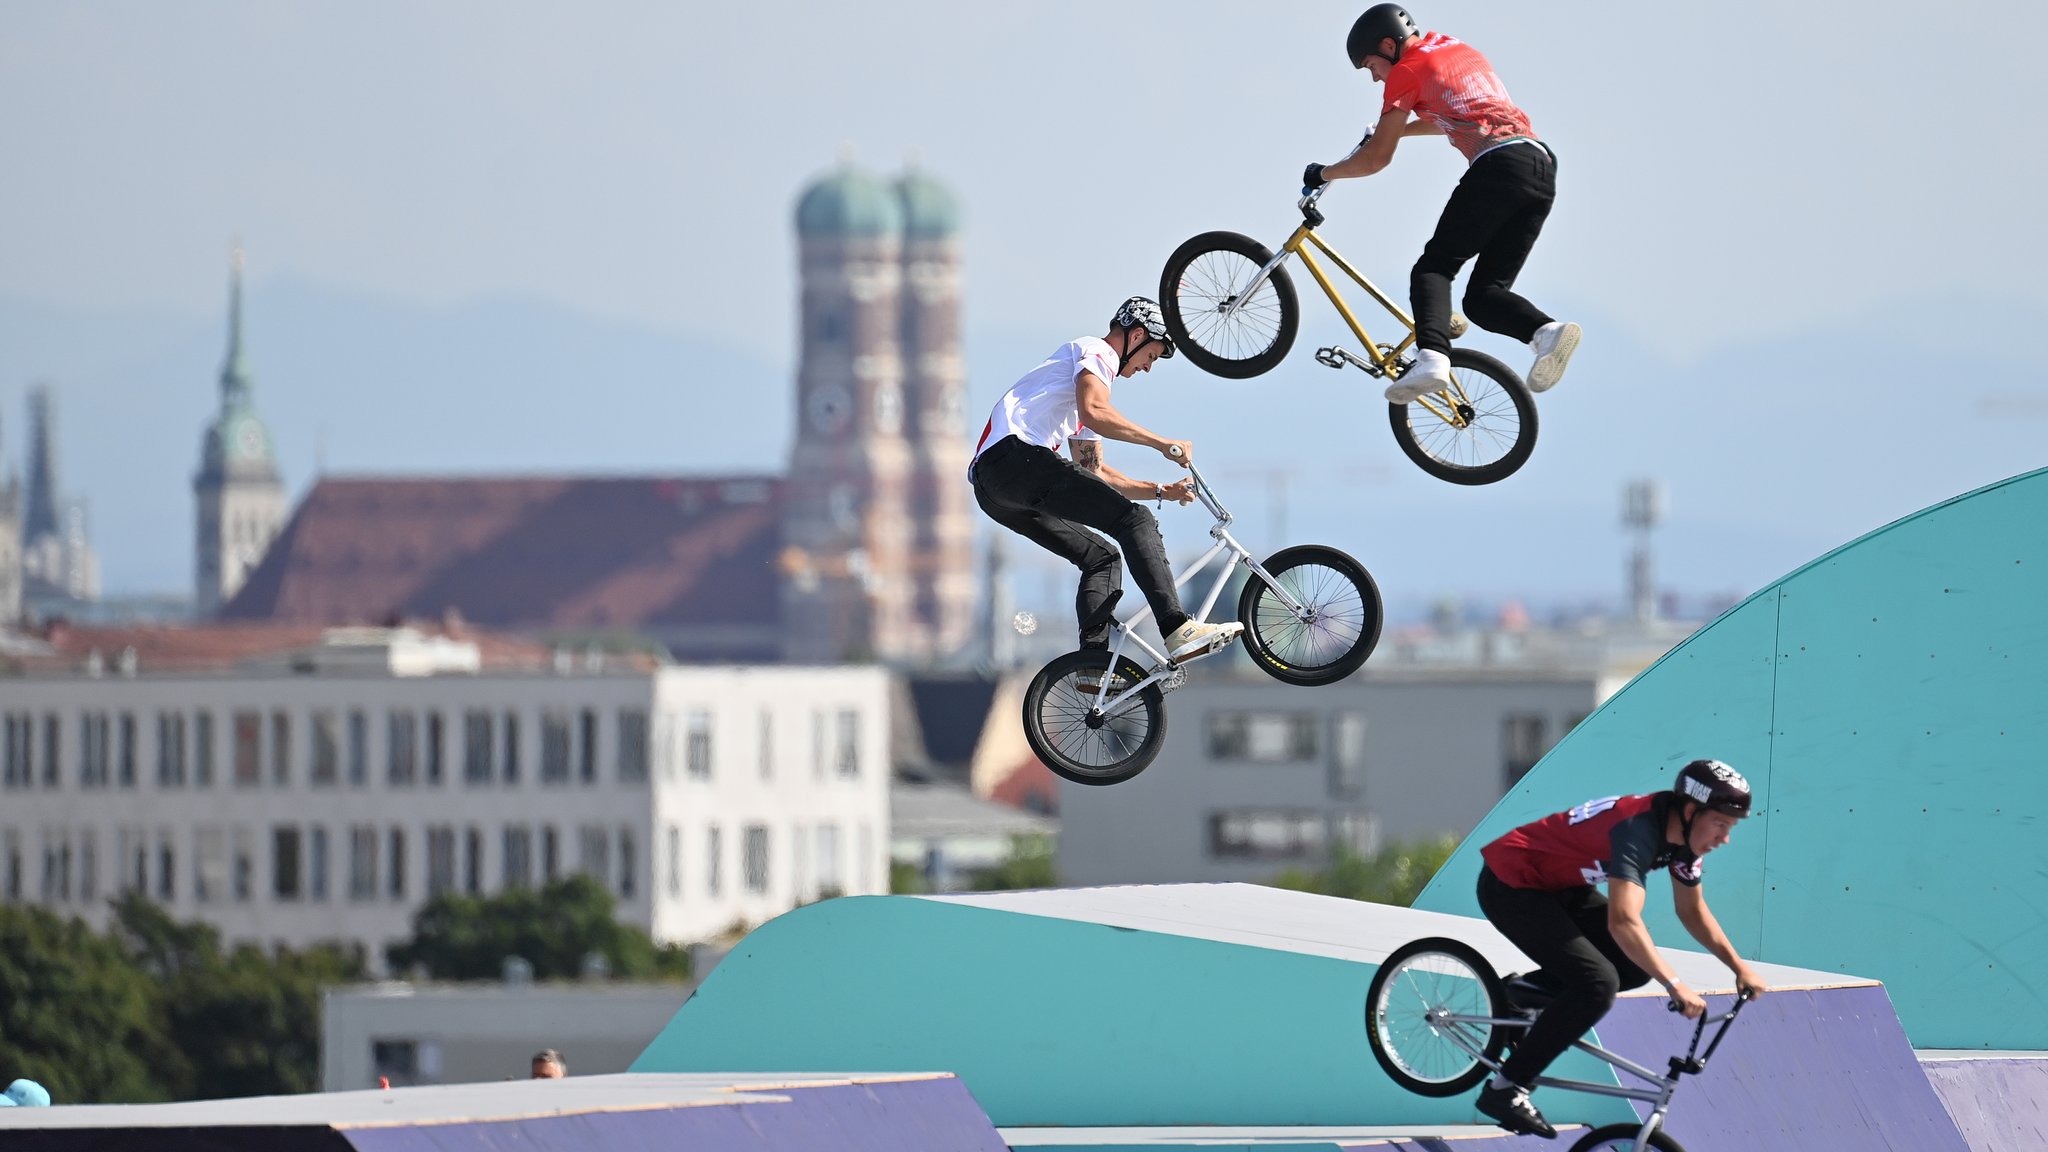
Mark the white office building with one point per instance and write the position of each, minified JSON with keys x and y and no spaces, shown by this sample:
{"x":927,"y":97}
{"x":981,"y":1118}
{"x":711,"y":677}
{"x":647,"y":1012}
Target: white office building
{"x":325,"y":793}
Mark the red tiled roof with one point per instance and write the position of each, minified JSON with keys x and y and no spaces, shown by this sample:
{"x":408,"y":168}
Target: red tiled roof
{"x":1030,"y":786}
{"x":549,"y":553}
{"x":204,"y":647}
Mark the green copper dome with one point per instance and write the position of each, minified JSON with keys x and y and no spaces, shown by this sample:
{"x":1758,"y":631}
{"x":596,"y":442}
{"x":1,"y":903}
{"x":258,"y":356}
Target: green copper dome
{"x":848,"y":202}
{"x":929,"y":210}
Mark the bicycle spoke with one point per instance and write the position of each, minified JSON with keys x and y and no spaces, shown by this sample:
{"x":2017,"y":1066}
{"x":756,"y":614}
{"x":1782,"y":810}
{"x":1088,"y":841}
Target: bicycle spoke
{"x":1339,"y":617}
{"x":1064,"y":717}
{"x":1487,"y":436}
{"x":1207,"y":288}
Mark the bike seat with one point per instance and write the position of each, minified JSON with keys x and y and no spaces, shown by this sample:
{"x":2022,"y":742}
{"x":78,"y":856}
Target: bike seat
{"x":1105,"y":613}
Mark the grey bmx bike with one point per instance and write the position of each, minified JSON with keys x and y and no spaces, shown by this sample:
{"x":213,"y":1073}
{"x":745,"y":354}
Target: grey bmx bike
{"x":1438,"y":1019}
{"x":1311,"y":616}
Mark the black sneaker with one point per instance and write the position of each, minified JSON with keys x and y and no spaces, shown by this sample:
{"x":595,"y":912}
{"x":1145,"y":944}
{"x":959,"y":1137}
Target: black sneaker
{"x":1510,"y":1108}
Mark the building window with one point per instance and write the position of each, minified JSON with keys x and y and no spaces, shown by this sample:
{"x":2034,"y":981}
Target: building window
{"x":403,"y":732}
{"x":632,"y":745}
{"x":800,"y":861}
{"x":473,"y":861}
{"x":92,"y":750}
{"x":1263,"y":737}
{"x":628,"y":879}
{"x":437,"y":732}
{"x":440,"y":860}
{"x":477,"y":762}
{"x":316,"y":871}
{"x":362,"y":862}
{"x":511,"y":747}
{"x":326,"y":748}
{"x":17,"y":770}
{"x":593,"y":854}
{"x":714,"y":851}
{"x":817,"y":745}
{"x":765,"y":745}
{"x":166,"y":868}
{"x":245,"y":867}
{"x":281,"y":748}
{"x":754,"y":857}
{"x":865,"y":846}
{"x":675,"y":861}
{"x":285,"y":880}
{"x":1522,"y":745}
{"x":554,"y":747}
{"x":1355,"y":832}
{"x":697,"y":744}
{"x":210,"y":868}
{"x":127,"y":761}
{"x":550,"y":854}
{"x":518,"y":861}
{"x":202,"y":748}
{"x":1347,"y":755}
{"x":395,"y":864}
{"x":88,"y":865}
{"x":358,"y":749}
{"x":1266,"y":835}
{"x":828,"y":860}
{"x":53,"y":729}
{"x":846,"y":748}
{"x":586,"y":745}
{"x":248,"y":748}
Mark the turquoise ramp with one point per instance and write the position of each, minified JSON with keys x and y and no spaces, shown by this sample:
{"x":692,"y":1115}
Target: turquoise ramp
{"x":1889,"y":702}
{"x":1142,"y":1006}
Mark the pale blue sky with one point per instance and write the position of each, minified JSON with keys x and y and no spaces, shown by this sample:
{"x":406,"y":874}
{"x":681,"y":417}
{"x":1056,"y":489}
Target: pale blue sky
{"x":1727,"y":186}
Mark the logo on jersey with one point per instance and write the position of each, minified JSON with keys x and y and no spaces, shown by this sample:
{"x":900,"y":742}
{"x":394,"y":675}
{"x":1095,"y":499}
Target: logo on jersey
{"x":1594,"y":876}
{"x":1592,"y":808}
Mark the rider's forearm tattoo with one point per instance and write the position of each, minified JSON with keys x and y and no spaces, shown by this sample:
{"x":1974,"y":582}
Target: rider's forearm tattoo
{"x":1088,"y":455}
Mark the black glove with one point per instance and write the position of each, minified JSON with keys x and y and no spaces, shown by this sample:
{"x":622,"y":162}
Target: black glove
{"x":1312,"y":178}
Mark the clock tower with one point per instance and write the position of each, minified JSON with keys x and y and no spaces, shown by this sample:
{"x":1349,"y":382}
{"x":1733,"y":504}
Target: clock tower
{"x":239,"y":495}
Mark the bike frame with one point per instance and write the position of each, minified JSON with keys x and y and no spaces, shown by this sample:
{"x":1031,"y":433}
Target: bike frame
{"x":1386,"y":362}
{"x":1163,"y":667}
{"x":1659,"y":1097}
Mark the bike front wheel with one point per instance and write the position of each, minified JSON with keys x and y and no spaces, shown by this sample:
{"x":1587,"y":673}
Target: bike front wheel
{"x":1410,"y":1010}
{"x":1622,"y":1138}
{"x":1224,"y":329}
{"x":1333,"y":631}
{"x":1478,"y":431}
{"x":1081,"y":743}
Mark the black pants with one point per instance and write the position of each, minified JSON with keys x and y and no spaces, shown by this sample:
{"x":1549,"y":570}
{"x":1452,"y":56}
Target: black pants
{"x":1496,"y":213}
{"x":1047,"y":499}
{"x":1566,"y":934}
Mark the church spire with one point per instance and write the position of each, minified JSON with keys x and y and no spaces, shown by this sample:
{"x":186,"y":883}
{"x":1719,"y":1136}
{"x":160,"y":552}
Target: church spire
{"x":234,"y":373}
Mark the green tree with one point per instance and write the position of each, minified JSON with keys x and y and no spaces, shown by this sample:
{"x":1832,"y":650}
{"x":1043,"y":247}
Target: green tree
{"x":1396,"y":874}
{"x":468,"y":937}
{"x":1029,"y":866}
{"x":77,"y":1014}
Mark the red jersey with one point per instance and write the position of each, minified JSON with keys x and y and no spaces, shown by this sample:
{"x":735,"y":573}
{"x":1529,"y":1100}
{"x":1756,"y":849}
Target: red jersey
{"x":1448,"y":81}
{"x":1613,"y":838}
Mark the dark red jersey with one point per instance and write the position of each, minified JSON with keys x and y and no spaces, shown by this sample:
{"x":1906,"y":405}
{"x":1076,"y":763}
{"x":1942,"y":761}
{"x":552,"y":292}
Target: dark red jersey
{"x":1613,"y":838}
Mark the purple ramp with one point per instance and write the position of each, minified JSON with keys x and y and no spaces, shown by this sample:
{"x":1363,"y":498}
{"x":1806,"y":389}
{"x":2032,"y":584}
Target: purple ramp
{"x":1812,"y":1070}
{"x":2000,"y":1102}
{"x":923,"y":1115}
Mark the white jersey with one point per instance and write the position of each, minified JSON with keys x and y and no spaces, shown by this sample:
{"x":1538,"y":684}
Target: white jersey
{"x":1042,"y":408}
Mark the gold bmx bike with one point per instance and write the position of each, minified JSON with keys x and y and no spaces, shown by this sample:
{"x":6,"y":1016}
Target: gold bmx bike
{"x":1230,"y":305}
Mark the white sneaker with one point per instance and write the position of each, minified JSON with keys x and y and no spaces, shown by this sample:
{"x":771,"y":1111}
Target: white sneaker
{"x":1431,"y":373}
{"x":1196,"y":638}
{"x":1553,"y":345}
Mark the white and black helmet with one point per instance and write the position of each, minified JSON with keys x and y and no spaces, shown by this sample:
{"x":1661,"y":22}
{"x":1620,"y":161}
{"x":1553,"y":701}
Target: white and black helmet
{"x":1713,"y":786}
{"x":1144,"y":312}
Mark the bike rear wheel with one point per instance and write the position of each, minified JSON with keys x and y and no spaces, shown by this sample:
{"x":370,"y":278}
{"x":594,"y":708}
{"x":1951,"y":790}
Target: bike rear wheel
{"x":1622,"y":1138}
{"x":1479,"y":431}
{"x":1062,"y":727}
{"x":1415,"y":988}
{"x":1340,"y":630}
{"x":1200,"y":290}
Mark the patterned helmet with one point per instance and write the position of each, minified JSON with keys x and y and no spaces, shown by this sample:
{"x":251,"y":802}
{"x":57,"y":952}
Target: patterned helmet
{"x":1713,"y":785}
{"x":1380,"y":22}
{"x":1144,"y":312}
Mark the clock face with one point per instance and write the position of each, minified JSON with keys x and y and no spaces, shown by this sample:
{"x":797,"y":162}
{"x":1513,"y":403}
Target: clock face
{"x":829,"y":408}
{"x":250,"y":439}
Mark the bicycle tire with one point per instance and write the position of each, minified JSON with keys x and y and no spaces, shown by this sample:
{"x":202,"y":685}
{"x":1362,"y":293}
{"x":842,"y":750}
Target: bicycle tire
{"x":1055,"y":722}
{"x":1472,"y":454}
{"x":1464,"y":982}
{"x":1204,"y":274}
{"x":1622,"y":1138}
{"x":1337,"y":643}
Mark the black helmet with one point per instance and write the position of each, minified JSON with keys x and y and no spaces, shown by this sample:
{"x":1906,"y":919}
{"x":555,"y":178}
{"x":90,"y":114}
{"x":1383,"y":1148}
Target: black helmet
{"x":1144,"y":312}
{"x":1380,"y":22}
{"x":1713,"y":785}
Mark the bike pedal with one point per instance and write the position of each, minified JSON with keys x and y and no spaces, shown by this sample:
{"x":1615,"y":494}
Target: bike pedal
{"x":1332,"y":357}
